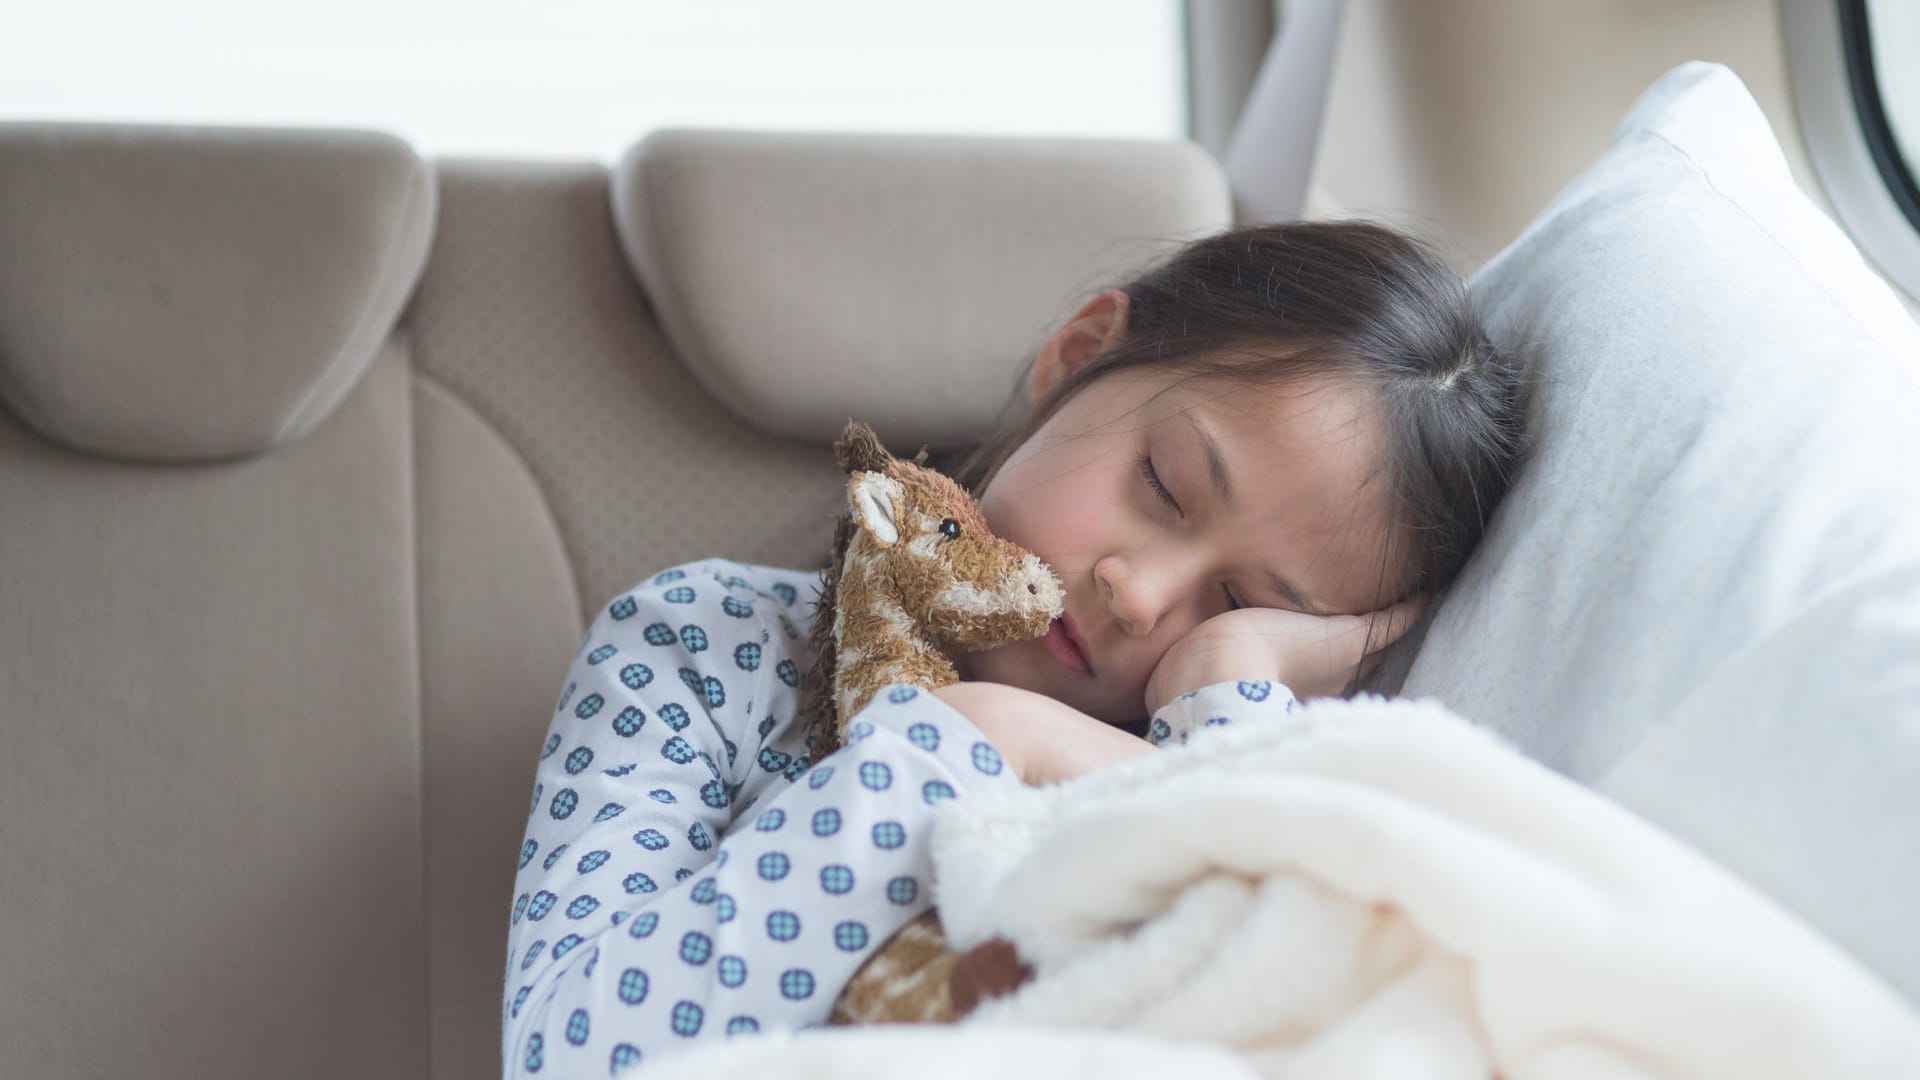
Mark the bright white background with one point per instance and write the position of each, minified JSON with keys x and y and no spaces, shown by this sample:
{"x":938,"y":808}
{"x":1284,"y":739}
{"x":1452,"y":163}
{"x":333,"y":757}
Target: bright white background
{"x":587,"y":78}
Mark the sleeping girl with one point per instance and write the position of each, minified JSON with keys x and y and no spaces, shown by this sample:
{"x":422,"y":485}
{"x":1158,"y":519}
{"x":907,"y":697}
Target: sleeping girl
{"x":1248,"y":467}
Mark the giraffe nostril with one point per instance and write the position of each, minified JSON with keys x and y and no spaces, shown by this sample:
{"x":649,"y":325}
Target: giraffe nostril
{"x":1035,"y":589}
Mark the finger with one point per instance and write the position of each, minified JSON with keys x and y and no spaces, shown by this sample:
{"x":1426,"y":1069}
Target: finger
{"x":1390,"y":624}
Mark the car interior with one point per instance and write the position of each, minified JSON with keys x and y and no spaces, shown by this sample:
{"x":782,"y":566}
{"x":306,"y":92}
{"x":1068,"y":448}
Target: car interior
{"x":320,"y":453}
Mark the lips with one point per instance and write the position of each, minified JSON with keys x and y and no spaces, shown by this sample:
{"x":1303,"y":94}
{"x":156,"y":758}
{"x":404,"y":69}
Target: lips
{"x":1065,"y":646}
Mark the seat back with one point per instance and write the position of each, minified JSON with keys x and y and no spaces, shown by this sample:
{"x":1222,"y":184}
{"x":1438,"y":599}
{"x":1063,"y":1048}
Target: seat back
{"x":317,"y":456}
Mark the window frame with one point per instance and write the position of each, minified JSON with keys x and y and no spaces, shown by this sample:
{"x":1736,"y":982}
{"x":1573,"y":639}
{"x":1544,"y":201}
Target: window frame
{"x":1849,"y":140}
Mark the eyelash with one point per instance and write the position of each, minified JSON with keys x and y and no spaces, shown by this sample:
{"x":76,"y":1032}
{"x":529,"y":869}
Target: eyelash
{"x":1152,"y":478}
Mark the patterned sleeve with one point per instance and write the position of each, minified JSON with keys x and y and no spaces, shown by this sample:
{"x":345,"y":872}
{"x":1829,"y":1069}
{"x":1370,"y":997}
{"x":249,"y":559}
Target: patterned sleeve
{"x":1219,"y":703}
{"x":687,"y":872}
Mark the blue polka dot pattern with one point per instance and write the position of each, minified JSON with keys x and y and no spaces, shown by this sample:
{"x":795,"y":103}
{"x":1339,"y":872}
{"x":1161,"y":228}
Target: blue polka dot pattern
{"x":534,"y":1058}
{"x":1255,"y":691}
{"x":987,"y":759}
{"x":666,"y":576}
{"x":783,"y":926}
{"x":690,"y":921}
{"x":678,"y":750}
{"x":903,"y":890}
{"x":696,"y":948}
{"x":836,"y":879}
{"x":875,"y":776}
{"x":632,"y":987}
{"x":797,"y":984}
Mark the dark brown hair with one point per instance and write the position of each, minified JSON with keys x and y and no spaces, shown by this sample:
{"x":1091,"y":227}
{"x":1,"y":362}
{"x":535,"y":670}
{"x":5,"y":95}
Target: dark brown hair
{"x":1353,"y":300}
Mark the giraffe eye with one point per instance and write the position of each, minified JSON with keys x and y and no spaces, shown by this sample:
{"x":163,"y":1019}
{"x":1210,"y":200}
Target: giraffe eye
{"x":950,"y":528}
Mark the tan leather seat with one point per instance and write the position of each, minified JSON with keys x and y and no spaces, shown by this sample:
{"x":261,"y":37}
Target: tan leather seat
{"x":316,"y":457}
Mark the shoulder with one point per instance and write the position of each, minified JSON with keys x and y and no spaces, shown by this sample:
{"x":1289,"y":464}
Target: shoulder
{"x":714,"y":591}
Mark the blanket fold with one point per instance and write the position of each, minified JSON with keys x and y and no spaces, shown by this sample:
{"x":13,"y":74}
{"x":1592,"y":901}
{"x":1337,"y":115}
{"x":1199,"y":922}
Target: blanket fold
{"x":1377,"y":888}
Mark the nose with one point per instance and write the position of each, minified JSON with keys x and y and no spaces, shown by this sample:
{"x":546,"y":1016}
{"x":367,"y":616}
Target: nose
{"x":1136,"y":595}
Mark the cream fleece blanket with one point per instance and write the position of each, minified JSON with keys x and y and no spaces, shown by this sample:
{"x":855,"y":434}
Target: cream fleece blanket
{"x":1369,"y":890}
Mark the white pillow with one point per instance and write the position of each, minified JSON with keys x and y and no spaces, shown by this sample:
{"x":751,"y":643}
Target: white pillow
{"x":1702,"y":596}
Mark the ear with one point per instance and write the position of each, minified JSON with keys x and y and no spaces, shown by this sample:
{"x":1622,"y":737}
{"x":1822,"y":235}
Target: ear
{"x":871,"y":496}
{"x":1100,"y":324}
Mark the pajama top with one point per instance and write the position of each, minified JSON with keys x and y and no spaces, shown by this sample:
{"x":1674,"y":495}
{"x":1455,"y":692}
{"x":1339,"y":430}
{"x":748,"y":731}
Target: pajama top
{"x":689,"y":871}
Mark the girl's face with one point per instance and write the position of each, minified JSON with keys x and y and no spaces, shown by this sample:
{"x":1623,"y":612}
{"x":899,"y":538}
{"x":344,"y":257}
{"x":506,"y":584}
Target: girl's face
{"x":1273,"y":498}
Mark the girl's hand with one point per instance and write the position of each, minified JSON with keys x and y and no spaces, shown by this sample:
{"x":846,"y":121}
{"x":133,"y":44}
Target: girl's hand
{"x":1314,"y":655}
{"x":1042,"y":740}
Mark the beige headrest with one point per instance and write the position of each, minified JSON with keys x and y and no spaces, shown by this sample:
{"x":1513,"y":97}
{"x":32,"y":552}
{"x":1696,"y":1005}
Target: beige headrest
{"x":900,"y":280}
{"x":184,"y":294}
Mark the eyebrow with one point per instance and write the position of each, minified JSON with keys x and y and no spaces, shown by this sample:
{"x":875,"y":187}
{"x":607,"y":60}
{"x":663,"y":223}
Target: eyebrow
{"x":1223,"y":487}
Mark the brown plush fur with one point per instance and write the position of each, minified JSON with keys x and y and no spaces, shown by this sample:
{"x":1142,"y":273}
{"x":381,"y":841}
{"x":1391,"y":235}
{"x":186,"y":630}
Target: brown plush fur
{"x":892,"y":609}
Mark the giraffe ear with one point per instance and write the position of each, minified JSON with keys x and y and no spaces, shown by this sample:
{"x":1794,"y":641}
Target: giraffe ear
{"x":872,"y":502}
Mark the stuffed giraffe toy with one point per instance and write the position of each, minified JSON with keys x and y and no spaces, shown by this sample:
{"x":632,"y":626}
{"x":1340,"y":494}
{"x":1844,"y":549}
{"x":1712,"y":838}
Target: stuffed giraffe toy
{"x":915,"y":577}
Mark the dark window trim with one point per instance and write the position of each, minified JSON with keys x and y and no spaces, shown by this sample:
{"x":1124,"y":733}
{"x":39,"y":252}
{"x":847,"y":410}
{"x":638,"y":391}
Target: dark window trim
{"x":1863,"y":81}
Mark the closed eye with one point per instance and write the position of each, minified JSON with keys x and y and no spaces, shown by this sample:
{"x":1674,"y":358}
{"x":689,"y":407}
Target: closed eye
{"x":1152,"y":478}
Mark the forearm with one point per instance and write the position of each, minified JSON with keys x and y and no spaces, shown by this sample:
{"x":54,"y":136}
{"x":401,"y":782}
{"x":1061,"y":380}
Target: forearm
{"x":1046,"y":741}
